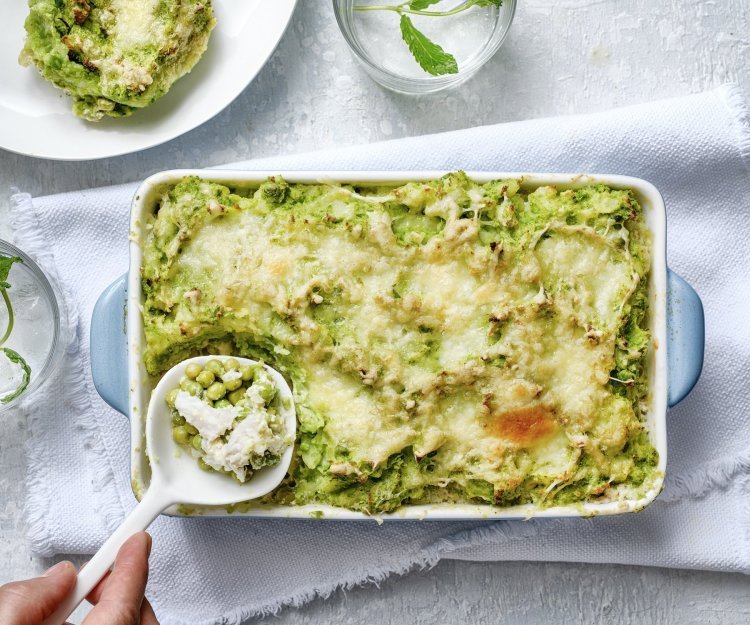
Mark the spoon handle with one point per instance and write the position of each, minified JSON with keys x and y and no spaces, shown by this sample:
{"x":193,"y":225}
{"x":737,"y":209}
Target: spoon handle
{"x":152,"y":505}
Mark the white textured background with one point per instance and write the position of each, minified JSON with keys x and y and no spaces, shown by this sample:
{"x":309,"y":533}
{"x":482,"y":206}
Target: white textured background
{"x":562,"y":56}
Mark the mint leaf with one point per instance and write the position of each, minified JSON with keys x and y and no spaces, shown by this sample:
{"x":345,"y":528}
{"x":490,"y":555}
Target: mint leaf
{"x":489,"y":3}
{"x":6,"y":262}
{"x":16,"y":358}
{"x":430,"y":56}
{"x":420,"y":5}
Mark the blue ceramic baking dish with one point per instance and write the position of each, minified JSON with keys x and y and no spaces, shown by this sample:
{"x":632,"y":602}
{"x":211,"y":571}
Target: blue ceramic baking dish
{"x":677,"y":328}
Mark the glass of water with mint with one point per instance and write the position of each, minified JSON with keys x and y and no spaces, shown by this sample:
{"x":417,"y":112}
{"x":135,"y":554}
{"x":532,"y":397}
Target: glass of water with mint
{"x":423,"y":46}
{"x":33,"y":326}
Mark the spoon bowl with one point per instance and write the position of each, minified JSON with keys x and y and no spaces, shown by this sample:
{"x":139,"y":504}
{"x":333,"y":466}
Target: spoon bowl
{"x":177,"y":478}
{"x":176,"y":473}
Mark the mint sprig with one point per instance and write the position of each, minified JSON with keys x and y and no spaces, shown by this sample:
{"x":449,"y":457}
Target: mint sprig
{"x":431,"y":57}
{"x":6,"y":262}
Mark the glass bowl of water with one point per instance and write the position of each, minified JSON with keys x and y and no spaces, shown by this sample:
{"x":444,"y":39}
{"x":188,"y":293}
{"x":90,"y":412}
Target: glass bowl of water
{"x":36,"y":329}
{"x":424,"y":46}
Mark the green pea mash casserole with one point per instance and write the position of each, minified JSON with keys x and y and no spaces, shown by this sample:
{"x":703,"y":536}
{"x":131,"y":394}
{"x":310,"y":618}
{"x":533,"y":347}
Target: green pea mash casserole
{"x":447,"y":341}
{"x":115,"y":56}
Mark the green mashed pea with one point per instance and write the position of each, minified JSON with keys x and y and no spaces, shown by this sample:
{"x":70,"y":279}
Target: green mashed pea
{"x":253,"y":396}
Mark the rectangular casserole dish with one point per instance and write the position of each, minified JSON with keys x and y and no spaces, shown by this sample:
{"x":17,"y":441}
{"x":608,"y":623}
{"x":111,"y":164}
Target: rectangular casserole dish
{"x":675,"y":359}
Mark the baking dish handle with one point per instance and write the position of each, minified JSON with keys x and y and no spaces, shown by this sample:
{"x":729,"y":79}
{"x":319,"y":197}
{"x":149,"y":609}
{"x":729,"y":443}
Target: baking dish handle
{"x":685,"y":337}
{"x":109,"y":345}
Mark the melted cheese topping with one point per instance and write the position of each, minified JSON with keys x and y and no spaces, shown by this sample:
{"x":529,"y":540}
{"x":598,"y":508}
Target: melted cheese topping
{"x":136,"y":23}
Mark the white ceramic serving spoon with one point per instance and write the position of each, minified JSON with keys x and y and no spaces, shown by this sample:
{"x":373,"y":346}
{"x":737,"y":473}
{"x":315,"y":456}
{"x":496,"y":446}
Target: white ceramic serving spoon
{"x":177,"y":478}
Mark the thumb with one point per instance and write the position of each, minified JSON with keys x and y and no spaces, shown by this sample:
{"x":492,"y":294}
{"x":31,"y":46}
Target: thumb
{"x":30,"y":601}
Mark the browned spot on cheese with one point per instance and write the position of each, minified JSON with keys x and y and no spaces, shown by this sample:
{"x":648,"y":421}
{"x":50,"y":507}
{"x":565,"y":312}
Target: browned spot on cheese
{"x":82,"y":11}
{"x":524,"y":426}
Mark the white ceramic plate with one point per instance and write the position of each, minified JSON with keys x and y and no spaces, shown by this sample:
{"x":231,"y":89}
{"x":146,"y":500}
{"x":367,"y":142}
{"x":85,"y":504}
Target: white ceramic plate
{"x":36,"y":120}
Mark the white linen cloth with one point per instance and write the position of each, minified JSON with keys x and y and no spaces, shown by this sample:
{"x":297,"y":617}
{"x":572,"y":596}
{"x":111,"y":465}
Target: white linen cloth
{"x":695,"y":149}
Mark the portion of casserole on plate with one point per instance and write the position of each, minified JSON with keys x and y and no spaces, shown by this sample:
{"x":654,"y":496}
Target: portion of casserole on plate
{"x":115,"y":56}
{"x":447,"y":341}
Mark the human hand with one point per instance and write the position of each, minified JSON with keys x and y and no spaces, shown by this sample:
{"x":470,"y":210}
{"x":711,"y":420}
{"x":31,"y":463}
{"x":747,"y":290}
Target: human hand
{"x":118,"y":598}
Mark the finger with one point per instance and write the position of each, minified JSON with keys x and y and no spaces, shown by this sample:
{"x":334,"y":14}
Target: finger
{"x":147,"y":614}
{"x":148,"y":617}
{"x":31,"y":601}
{"x":122,"y":595}
{"x":96,"y":594}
